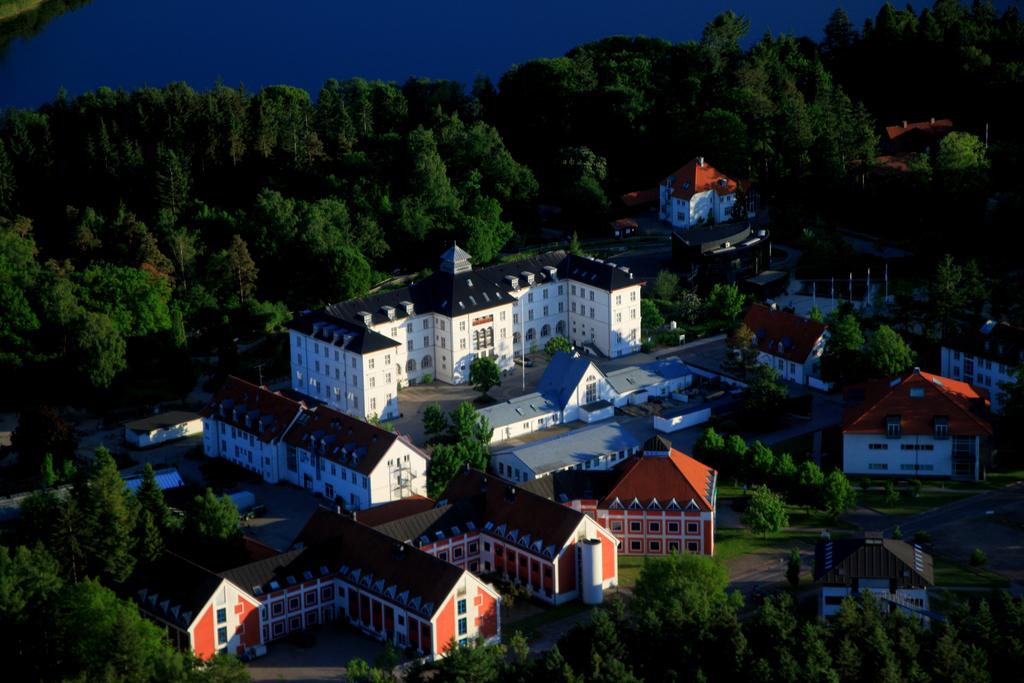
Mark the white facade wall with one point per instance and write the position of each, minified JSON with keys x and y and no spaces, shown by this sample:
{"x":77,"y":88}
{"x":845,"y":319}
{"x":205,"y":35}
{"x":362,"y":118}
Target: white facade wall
{"x":153,"y":437}
{"x":609,"y":321}
{"x":352,"y":383}
{"x":512,"y":468}
{"x":790,"y":371}
{"x":527,"y":426}
{"x":226,"y":441}
{"x":978,"y":372}
{"x":683,"y":213}
{"x":909,"y":455}
{"x":831,"y":598}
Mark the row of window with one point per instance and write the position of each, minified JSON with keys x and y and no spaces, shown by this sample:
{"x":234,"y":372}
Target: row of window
{"x":653,"y":527}
{"x":636,"y":546}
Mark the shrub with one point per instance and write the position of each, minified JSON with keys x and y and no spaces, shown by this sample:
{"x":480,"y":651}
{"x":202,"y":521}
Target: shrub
{"x":865,"y":483}
{"x":915,"y":488}
{"x":978,"y":558}
{"x":427,"y":378}
{"x":897,"y":532}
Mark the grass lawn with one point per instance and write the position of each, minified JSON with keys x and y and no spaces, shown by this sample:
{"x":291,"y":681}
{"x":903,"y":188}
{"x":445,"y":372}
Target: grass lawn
{"x":814,"y":519}
{"x":731,"y":543}
{"x":529,"y":626}
{"x":629,"y":569}
{"x":949,"y":573}
{"x":907,"y":505}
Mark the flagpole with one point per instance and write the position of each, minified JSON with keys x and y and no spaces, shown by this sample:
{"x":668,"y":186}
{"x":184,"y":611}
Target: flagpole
{"x":851,"y":287}
{"x":867,"y":292}
{"x":833,"y":291}
{"x":886,"y":283}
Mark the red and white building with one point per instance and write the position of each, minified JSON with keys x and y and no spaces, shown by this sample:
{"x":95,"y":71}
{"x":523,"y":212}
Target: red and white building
{"x":203,"y":613}
{"x":657,"y":502}
{"x":918,"y":424}
{"x":342,"y":458}
{"x":487,"y":525}
{"x":789,"y":343}
{"x":696,"y":194}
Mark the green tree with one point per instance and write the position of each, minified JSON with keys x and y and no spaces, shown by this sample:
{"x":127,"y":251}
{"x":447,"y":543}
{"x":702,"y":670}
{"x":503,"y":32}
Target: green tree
{"x":100,"y":350}
{"x":445,"y":462}
{"x":960,"y":152}
{"x":793,"y":568}
{"x":810,"y":482}
{"x":891,"y":494}
{"x":484,"y":374}
{"x":766,"y":512}
{"x":108,"y":517}
{"x":148,"y":541}
{"x":838,"y":494}
{"x":665,"y":285}
{"x":575,"y":248}
{"x":743,"y":352}
{"x":41,"y":432}
{"x":213,"y":518}
{"x":710,"y":444}
{"x":816,"y":315}
{"x":887,"y":354}
{"x":243,"y":268}
{"x":650,"y":316}
{"x":841,"y":358}
{"x":468,"y":425}
{"x":476,"y":662}
{"x":225,"y":668}
{"x":557,"y":344}
{"x":8,"y":181}
{"x":435,"y":422}
{"x":172,"y":181}
{"x":359,"y":671}
{"x":725,"y":303}
{"x":764,"y":397}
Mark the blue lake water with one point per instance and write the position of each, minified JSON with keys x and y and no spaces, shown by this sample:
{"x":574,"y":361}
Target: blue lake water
{"x":132,"y":43}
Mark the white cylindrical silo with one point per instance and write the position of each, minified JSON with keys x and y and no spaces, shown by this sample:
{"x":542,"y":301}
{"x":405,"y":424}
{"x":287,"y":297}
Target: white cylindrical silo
{"x":590,"y":557}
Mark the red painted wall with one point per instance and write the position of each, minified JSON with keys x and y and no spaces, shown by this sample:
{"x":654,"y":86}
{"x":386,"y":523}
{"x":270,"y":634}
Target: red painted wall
{"x":444,"y":625}
{"x":709,"y":538}
{"x":488,"y":621}
{"x":608,"y":553}
{"x":249,"y":616}
{"x":203,"y":636}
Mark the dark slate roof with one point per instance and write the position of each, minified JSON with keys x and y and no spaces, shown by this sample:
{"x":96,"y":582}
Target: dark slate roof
{"x":999,"y":342}
{"x":337,"y":544}
{"x":450,"y":294}
{"x":269,"y":413}
{"x":569,"y":485}
{"x":173,"y":589}
{"x":343,"y":439}
{"x":841,"y":561}
{"x":331,"y":328}
{"x":475,"y":501}
{"x":171,"y":418}
{"x":561,"y":377}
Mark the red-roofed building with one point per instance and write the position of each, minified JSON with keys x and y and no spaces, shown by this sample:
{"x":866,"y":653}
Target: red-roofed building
{"x":656,"y":502}
{"x":696,"y":194}
{"x":787,"y":342}
{"x":340,"y":457}
{"x":918,"y":424}
{"x":919,"y":137}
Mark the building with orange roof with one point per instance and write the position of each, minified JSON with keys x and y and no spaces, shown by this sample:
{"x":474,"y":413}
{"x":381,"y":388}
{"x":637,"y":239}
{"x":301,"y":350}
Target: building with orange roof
{"x":655,"y":502}
{"x":917,"y":424}
{"x":789,"y":343}
{"x":697,"y":194}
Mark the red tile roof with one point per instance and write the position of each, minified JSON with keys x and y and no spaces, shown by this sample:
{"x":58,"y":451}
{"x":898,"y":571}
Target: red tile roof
{"x":640,"y":197}
{"x":269,"y":413}
{"x":699,"y":176}
{"x":389,"y":512}
{"x":940,"y":396}
{"x":936,"y":127}
{"x":663,"y":475}
{"x":783,"y":334}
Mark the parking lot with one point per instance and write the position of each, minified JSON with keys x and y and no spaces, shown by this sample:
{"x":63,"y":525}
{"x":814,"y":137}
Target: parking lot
{"x":323,"y":659}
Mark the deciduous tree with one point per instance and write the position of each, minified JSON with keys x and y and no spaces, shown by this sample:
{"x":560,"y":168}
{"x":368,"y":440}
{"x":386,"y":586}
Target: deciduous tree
{"x":484,"y":374}
{"x":766,"y":512}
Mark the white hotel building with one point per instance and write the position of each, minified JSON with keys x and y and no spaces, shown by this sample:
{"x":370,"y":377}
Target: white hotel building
{"x":355,"y":355}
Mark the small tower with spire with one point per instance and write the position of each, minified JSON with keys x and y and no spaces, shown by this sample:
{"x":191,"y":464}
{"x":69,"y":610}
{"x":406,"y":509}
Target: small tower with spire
{"x":455,"y":261}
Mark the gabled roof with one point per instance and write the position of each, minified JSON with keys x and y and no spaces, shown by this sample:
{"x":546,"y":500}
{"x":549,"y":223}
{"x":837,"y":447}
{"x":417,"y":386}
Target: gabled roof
{"x":475,"y":501}
{"x":842,"y":561}
{"x":561,"y":377}
{"x":338,"y":330}
{"x":579,"y":446}
{"x":1000,"y":342}
{"x":343,"y":439}
{"x":398,"y":509}
{"x":525,"y":407}
{"x":698,"y":176}
{"x":172,"y":418}
{"x":173,"y":589}
{"x":663,"y":473}
{"x":936,"y":128}
{"x":569,"y":485}
{"x":783,"y":334}
{"x":917,"y":398}
{"x":342,"y":545}
{"x":637,"y":377}
{"x":252,"y":409}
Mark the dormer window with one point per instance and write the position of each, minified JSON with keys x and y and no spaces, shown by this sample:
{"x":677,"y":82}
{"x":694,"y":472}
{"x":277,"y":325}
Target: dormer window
{"x":941,"y":424}
{"x":916,"y":392}
{"x":892,"y":426}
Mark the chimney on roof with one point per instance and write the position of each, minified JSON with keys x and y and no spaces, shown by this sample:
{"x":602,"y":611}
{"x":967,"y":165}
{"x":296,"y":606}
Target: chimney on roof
{"x":700,"y":161}
{"x":904,"y":123}
{"x":933,"y":119}
{"x":917,"y":371}
{"x":337,"y":511}
{"x":510,"y":494}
